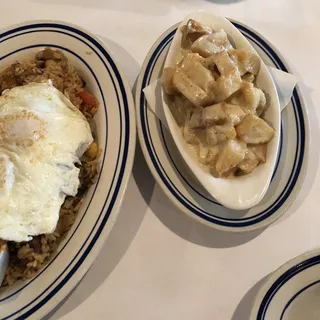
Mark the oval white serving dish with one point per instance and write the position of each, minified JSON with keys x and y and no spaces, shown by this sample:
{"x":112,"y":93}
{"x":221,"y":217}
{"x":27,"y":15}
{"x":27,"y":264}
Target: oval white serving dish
{"x":245,"y":191}
{"x":37,"y":296}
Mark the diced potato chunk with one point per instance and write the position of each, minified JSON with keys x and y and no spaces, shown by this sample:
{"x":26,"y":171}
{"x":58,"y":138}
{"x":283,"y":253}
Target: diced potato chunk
{"x":224,"y":64}
{"x":262,"y":103}
{"x":194,"y":26}
{"x":260,"y":151}
{"x":248,"y":77}
{"x":190,"y":90}
{"x":208,"y":155}
{"x":227,"y":85}
{"x":222,"y":112}
{"x":254,"y":130}
{"x":212,"y":138}
{"x":246,"y":61}
{"x":181,"y":108}
{"x":167,"y":83}
{"x":252,"y":97}
{"x":249,"y":163}
{"x":232,"y":153}
{"x":189,"y":135}
{"x":196,"y":120}
{"x":211,"y":44}
{"x":225,"y":132}
{"x":249,"y":97}
{"x":201,"y":76}
{"x":234,"y":113}
{"x":192,"y":31}
{"x":214,"y":114}
{"x":208,"y":63}
{"x":203,"y":154}
{"x":190,"y":58}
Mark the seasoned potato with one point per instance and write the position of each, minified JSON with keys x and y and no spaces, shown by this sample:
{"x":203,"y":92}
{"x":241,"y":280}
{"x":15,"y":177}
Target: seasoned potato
{"x":208,"y":155}
{"x":208,"y":45}
{"x":249,"y":163}
{"x":252,"y":97}
{"x":214,"y":114}
{"x":192,"y":31}
{"x":234,"y":114}
{"x":226,"y":85}
{"x":246,"y":61}
{"x":196,"y":119}
{"x":254,"y":130}
{"x":260,"y":151}
{"x":212,"y":138}
{"x":201,"y":76}
{"x":248,"y":77}
{"x":190,"y":90}
{"x":224,"y":64}
{"x":231,"y":154}
{"x":225,"y":132}
{"x":167,"y":80}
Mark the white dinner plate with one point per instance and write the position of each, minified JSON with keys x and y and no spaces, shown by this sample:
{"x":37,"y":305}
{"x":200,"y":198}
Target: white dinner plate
{"x":292,"y":292}
{"x":115,"y":130}
{"x":182,"y":187}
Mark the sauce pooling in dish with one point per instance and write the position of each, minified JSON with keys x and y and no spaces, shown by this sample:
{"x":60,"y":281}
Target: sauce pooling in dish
{"x":216,"y":103}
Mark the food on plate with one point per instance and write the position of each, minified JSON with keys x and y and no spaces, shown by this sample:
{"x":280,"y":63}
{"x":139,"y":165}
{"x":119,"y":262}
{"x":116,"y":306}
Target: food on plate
{"x":47,"y":157}
{"x":215,"y":101}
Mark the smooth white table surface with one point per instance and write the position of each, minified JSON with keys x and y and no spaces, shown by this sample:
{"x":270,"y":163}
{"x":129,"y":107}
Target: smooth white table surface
{"x":158,"y":263}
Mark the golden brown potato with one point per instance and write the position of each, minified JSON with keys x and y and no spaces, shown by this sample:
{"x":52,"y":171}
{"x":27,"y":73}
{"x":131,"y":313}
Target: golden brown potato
{"x":208,"y":45}
{"x":224,"y":64}
{"x":260,"y":151}
{"x":254,"y":130}
{"x":196,"y":119}
{"x":225,"y":132}
{"x":212,"y":138}
{"x":214,"y":114}
{"x":234,"y":113}
{"x":195,"y":71}
{"x":249,"y":163}
{"x":192,"y":31}
{"x":190,"y":90}
{"x":246,"y":61}
{"x":167,"y":80}
{"x":231,"y":154}
{"x":248,"y":77}
{"x":227,"y":85}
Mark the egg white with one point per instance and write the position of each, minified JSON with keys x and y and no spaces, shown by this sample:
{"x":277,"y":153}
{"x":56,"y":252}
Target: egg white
{"x":42,"y":136}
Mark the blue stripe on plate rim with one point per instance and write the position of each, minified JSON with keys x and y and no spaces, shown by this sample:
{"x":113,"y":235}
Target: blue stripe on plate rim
{"x":122,"y":157}
{"x":299,"y":156}
{"x":281,"y":281}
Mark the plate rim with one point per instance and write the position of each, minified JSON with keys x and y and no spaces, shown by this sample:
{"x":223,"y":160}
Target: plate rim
{"x":83,"y":268}
{"x":303,"y":169}
{"x":275,"y":275}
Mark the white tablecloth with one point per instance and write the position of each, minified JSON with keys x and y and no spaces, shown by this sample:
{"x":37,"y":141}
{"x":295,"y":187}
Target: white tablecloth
{"x":158,"y":263}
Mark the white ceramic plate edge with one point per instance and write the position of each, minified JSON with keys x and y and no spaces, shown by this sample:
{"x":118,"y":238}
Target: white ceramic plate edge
{"x":275,"y":275}
{"x":87,"y":263}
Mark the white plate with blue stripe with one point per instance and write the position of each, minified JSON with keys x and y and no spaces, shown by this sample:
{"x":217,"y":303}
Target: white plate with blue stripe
{"x":177,"y":181}
{"x":292,"y":292}
{"x":115,"y":130}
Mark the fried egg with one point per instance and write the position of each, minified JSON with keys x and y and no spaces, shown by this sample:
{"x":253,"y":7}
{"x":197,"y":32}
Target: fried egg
{"x":42,"y":136}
